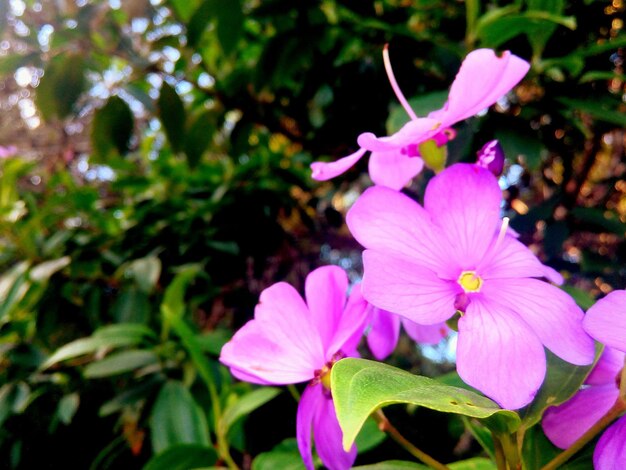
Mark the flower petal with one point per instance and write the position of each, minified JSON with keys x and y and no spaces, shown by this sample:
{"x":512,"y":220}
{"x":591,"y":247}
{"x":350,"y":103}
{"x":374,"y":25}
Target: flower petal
{"x":498,"y":354}
{"x":281,"y":345}
{"x":391,"y":222}
{"x":565,"y":423}
{"x":322,"y":171}
{"x":328,"y":437}
{"x":425,"y":334}
{"x":606,"y":369}
{"x":413,"y":132}
{"x":393,"y":169}
{"x":408,"y":289}
{"x":513,"y":259}
{"x":606,"y":320}
{"x":349,"y":331}
{"x":550,"y":312}
{"x":610,"y":452}
{"x":482,"y":79}
{"x":326,"y":290}
{"x":384,"y":332}
{"x":464,"y":202}
{"x":307,"y":408}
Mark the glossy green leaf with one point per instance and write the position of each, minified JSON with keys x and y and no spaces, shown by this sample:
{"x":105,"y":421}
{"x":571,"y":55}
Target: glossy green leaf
{"x":182,"y":457}
{"x":246,"y":404}
{"x":176,"y":418}
{"x":477,"y":463}
{"x":562,"y":381}
{"x":360,"y":387}
{"x":172,"y":115}
{"x":119,"y":363}
{"x":537,"y":451}
{"x":62,"y":84}
{"x":112,"y":129}
{"x":370,"y":436}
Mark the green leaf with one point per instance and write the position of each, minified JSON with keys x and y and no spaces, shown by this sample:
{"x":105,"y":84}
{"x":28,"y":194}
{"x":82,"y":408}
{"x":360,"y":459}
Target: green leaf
{"x":112,"y":336}
{"x":477,"y":463}
{"x":518,"y":142}
{"x":360,"y":387}
{"x":119,"y":363}
{"x":173,"y":305}
{"x":172,"y":116}
{"x":370,"y":436}
{"x":245,"y":405}
{"x":68,"y":405}
{"x":392,"y":465}
{"x":112,"y":129}
{"x":285,"y":456}
{"x":177,"y":419}
{"x":605,"y":219}
{"x":43,"y":271}
{"x":537,"y":451}
{"x":602,"y":111}
{"x":145,"y":272}
{"x":582,"y":297}
{"x":182,"y":457}
{"x":562,"y":381}
{"x":132,"y":305}
{"x":229,"y":24}
{"x":198,"y":138}
{"x":61,"y":85}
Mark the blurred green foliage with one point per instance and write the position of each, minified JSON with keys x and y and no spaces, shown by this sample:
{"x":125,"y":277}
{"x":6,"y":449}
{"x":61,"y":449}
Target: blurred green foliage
{"x":162,"y":182}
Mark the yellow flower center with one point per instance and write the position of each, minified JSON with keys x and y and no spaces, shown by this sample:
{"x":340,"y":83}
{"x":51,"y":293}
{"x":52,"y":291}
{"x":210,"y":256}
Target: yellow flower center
{"x":470,"y":282}
{"x":325,"y":377}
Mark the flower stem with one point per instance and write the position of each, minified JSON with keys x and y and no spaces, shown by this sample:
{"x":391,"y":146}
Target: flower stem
{"x":387,"y":427}
{"x":294,"y":392}
{"x":616,"y":410}
{"x":499,"y":451}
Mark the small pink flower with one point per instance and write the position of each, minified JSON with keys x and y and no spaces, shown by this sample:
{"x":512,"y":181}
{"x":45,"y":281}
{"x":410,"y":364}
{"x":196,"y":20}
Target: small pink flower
{"x":482,"y":79}
{"x":454,"y":253}
{"x":9,"y":151}
{"x":290,"y":341}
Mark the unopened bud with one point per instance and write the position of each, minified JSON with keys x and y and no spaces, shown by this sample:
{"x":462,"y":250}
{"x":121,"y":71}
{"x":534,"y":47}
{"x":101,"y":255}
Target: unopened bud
{"x":491,"y":157}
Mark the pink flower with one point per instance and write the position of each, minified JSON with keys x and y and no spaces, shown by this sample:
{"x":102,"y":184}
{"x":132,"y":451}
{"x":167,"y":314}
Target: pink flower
{"x":9,"y":151}
{"x":566,"y":423}
{"x":425,"y":263}
{"x":384,"y":331}
{"x":482,"y":79}
{"x":606,"y":320}
{"x":290,"y":341}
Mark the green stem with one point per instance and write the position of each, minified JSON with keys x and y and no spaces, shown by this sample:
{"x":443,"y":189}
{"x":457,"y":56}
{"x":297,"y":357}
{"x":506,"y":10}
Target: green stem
{"x":499,"y":451}
{"x":511,"y":453}
{"x":616,"y":410}
{"x":388,"y":428}
{"x":294,"y":392}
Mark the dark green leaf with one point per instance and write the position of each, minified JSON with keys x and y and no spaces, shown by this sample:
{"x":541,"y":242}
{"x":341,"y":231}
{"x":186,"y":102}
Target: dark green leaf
{"x":198,"y":137}
{"x":360,"y":387}
{"x":370,"y":436}
{"x":422,"y":105}
{"x":393,"y":465}
{"x":245,"y":405}
{"x":182,"y":457}
{"x":68,"y":405}
{"x":562,"y":381}
{"x":111,"y":129}
{"x":63,"y":82}
{"x":602,"y":111}
{"x":119,"y":363}
{"x":132,"y":306}
{"x":172,"y":116}
{"x":177,"y":419}
{"x":284,"y":456}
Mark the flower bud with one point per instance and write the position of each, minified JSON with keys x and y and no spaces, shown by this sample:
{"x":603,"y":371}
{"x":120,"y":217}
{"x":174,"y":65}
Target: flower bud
{"x":491,"y":157}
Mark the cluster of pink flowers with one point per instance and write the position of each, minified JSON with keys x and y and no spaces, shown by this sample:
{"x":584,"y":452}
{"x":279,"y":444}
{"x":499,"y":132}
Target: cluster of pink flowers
{"x":424,"y":264}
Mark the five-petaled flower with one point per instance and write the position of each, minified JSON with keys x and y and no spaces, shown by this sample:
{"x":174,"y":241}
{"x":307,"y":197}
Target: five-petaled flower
{"x":482,"y":79}
{"x":566,"y":423}
{"x":290,"y":341}
{"x":455,"y":254}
